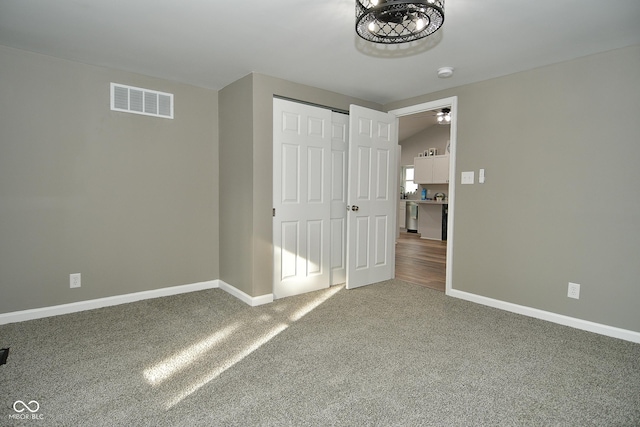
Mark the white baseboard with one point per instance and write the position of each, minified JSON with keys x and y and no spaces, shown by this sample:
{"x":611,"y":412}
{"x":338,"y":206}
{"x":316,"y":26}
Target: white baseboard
{"x":246,"y":298}
{"x":584,"y":325}
{"x":56,"y":310}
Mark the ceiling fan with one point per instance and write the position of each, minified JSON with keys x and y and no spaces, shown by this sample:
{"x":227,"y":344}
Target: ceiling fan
{"x":443,"y":116}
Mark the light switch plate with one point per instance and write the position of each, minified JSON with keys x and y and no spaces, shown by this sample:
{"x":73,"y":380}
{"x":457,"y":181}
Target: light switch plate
{"x":468,"y":177}
{"x":481,"y":176}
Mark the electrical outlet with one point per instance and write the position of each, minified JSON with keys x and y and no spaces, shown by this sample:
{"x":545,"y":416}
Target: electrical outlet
{"x":75,"y":280}
{"x":574,"y":290}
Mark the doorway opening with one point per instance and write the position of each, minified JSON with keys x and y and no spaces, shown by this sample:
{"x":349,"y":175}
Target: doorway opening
{"x":435,"y":248}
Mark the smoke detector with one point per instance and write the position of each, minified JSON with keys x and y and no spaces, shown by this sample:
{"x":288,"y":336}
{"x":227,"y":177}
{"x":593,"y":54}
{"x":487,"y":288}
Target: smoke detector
{"x":445,"y":72}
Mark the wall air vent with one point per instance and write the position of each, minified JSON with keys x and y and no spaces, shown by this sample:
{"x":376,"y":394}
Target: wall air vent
{"x":136,"y":100}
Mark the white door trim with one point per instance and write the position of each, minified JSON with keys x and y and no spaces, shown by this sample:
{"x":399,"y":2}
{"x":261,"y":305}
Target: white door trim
{"x":451,"y":103}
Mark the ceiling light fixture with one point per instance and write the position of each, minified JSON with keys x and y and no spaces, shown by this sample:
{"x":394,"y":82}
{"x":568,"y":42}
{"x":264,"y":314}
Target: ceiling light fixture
{"x":444,"y":116}
{"x":398,"y":21}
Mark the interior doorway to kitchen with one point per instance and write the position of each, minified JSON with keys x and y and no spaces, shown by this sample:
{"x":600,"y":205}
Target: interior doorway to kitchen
{"x":414,"y":252}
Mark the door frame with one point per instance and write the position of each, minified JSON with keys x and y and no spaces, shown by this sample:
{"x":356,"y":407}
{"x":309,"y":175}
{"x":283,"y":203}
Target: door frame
{"x":452,"y":103}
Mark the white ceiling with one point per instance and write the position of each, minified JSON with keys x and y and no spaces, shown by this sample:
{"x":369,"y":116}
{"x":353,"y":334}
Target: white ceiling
{"x":212,"y":43}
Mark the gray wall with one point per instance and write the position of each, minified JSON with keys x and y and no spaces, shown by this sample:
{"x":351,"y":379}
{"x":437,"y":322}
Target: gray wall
{"x":254,"y":261}
{"x":132,"y":202}
{"x":236,"y":184}
{"x":435,"y":136}
{"x":560,"y":201}
{"x":128,"y":201}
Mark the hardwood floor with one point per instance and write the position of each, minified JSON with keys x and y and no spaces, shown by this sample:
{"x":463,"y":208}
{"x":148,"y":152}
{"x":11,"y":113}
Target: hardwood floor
{"x":421,"y":261}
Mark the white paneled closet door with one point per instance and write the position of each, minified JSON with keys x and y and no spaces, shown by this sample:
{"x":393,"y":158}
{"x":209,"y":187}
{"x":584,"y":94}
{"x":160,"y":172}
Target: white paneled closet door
{"x":373,"y":196}
{"x":322,"y":161}
{"x":302,"y":140}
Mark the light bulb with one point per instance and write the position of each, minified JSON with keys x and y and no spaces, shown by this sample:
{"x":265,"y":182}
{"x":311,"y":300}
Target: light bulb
{"x":419,"y":24}
{"x":372,"y":26}
{"x":374,"y":2}
{"x":447,"y":118}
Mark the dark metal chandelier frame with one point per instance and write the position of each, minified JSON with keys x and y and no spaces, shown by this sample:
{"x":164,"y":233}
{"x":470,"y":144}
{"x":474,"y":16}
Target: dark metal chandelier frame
{"x":398,"y":21}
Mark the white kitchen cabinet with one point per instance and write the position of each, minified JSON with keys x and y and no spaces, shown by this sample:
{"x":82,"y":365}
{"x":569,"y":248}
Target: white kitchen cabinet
{"x":402,"y":214}
{"x":430,"y":221}
{"x":431,"y":170}
{"x":441,"y":169}
{"x":422,"y":170}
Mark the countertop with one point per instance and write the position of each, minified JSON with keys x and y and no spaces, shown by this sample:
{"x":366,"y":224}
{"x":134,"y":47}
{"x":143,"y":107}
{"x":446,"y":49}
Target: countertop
{"x":428,"y":202}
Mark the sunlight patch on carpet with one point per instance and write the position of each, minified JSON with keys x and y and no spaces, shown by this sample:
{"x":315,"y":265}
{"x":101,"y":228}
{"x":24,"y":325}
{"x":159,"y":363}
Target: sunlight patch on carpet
{"x":212,"y":375}
{"x":307,"y":308}
{"x":261,"y":339}
{"x":167,"y":368}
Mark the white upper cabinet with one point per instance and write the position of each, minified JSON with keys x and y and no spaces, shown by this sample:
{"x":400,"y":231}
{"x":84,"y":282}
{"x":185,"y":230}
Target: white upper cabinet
{"x":431,"y":170}
{"x":441,"y":169}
